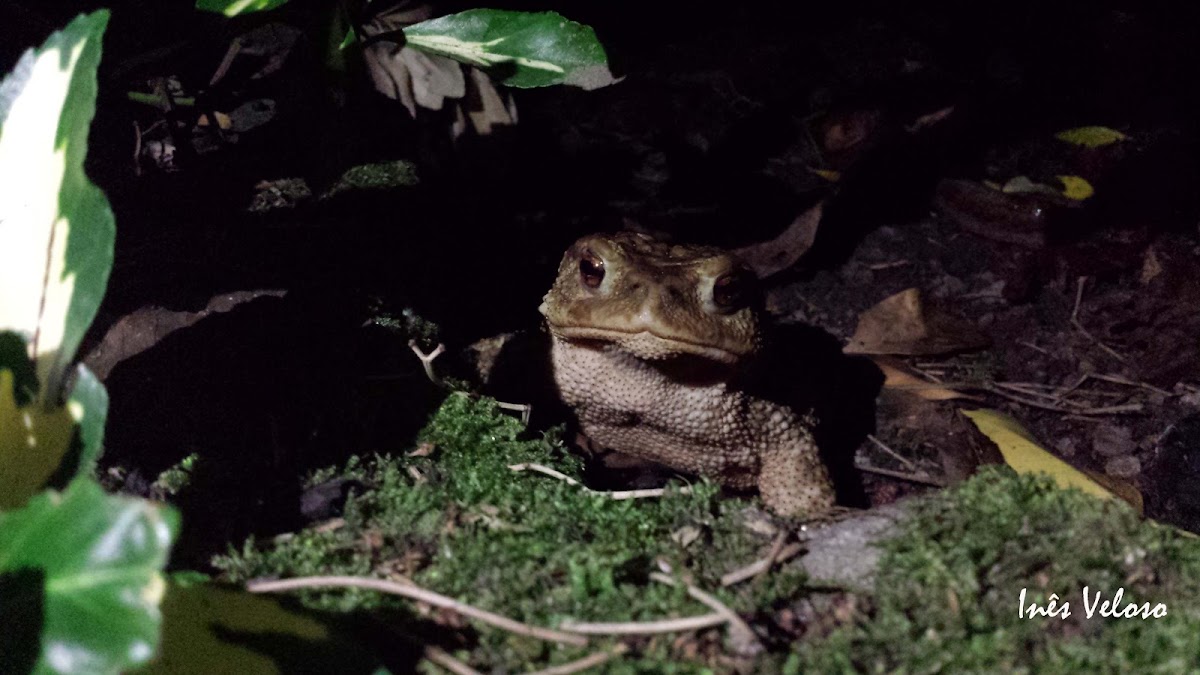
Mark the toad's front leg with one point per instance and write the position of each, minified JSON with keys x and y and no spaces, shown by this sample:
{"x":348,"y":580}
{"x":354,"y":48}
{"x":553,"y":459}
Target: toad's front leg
{"x":793,"y":481}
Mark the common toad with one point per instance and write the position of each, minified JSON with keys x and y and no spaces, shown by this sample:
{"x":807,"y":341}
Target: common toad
{"x":660,"y":351}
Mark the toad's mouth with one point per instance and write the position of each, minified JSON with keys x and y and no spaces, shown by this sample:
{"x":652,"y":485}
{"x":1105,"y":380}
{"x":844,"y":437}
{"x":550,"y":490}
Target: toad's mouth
{"x":647,"y":344}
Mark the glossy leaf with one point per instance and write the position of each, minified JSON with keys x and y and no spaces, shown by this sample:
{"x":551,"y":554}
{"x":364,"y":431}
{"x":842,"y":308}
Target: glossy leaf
{"x":85,"y":567}
{"x":233,"y":8}
{"x":210,"y":628}
{"x":56,"y":227}
{"x":519,"y":49}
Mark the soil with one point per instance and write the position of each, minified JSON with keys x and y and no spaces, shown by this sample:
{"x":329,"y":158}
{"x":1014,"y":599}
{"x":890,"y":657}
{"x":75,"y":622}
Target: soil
{"x":711,"y":137}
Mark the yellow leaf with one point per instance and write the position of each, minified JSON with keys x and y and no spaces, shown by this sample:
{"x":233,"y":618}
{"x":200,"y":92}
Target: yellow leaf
{"x":1091,"y":137}
{"x":828,"y":174}
{"x":33,"y":441}
{"x":1024,"y":455}
{"x":1076,"y":188}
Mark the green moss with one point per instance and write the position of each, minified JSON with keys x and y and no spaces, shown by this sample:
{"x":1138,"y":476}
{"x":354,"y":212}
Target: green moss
{"x":949,"y":586}
{"x":459,"y":522}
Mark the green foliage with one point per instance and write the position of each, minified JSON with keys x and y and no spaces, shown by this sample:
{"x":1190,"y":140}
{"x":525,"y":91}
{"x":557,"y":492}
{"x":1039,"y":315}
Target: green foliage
{"x":520,"y":49}
{"x":80,"y":578}
{"x":232,"y":8}
{"x":458,"y":521}
{"x":83,"y":568}
{"x":58,"y":229}
{"x":948,"y":587}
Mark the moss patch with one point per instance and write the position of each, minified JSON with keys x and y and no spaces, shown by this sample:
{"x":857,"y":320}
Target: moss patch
{"x":949,"y":586}
{"x":456,"y":520}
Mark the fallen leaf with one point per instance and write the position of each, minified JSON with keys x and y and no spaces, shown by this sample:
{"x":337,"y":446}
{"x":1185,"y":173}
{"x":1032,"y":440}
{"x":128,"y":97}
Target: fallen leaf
{"x":903,"y":324}
{"x":1076,"y":188}
{"x":828,"y":174}
{"x":1023,"y":453}
{"x":897,"y":377}
{"x":928,"y":120}
{"x":1151,"y":267}
{"x":775,"y":255}
{"x":1091,"y":137}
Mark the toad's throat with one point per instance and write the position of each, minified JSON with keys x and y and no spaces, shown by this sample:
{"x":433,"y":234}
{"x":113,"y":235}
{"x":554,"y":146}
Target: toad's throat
{"x":647,"y":344}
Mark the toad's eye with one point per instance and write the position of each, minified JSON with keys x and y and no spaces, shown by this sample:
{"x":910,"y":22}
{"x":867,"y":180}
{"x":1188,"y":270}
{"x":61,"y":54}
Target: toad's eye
{"x":730,"y":290}
{"x":591,"y":270}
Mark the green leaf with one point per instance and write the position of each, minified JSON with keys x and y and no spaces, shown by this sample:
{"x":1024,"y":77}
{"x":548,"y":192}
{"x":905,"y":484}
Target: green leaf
{"x":89,"y":406}
{"x":519,"y":49}
{"x":232,"y":8}
{"x":56,"y":227}
{"x":210,"y":628}
{"x":1091,"y":137}
{"x":350,"y":38}
{"x":84,"y":569}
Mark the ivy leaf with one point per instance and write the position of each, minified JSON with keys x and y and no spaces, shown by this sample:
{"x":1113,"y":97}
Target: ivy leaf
{"x":519,"y":49}
{"x":83,"y":569}
{"x":232,"y":8}
{"x":56,"y":227}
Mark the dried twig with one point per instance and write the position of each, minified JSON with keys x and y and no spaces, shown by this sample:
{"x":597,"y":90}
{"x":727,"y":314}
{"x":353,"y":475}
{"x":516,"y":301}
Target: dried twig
{"x":755,"y":568}
{"x":1079,"y":326}
{"x":773,"y":554}
{"x":427,"y":360}
{"x":442,"y":658}
{"x":1117,"y":379}
{"x":921,"y":478}
{"x":739,"y":630}
{"x":880,"y":444}
{"x":1032,"y":346}
{"x":645,"y":627}
{"x":422,"y":595}
{"x":586,"y":662}
{"x":617,"y":495}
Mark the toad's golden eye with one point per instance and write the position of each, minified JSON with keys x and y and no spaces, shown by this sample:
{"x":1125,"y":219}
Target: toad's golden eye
{"x":730,"y":290}
{"x":591,"y":269}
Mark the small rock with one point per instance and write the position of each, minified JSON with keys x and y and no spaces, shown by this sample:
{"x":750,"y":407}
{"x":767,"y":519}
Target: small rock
{"x":1109,"y":440}
{"x":1126,"y":466}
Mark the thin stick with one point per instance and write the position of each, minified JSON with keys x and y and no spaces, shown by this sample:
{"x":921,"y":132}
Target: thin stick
{"x":414,"y":592}
{"x":773,"y":554}
{"x":755,"y":568}
{"x":1079,"y":284}
{"x":1032,"y":346}
{"x":911,"y":477}
{"x":442,"y":658}
{"x":1117,"y":379}
{"x":616,"y":495}
{"x":645,"y":627}
{"x":427,"y":360}
{"x":738,"y":628}
{"x":880,"y":444}
{"x":583,"y":664}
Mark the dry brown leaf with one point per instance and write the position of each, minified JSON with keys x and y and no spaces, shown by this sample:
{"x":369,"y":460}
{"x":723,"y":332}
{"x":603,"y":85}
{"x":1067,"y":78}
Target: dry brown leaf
{"x":775,"y":255}
{"x":904,"y":324}
{"x":897,"y":377}
{"x":138,"y":331}
{"x":1151,"y":267}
